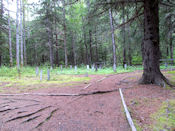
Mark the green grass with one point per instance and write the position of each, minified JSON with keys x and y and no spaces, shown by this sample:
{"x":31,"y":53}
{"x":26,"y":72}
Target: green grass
{"x":164,"y":118}
{"x":30,"y":71}
{"x":9,"y":77}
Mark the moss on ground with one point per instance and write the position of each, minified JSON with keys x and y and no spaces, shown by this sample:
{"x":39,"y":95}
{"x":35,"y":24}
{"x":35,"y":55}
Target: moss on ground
{"x":164,"y":118}
{"x":26,"y":83}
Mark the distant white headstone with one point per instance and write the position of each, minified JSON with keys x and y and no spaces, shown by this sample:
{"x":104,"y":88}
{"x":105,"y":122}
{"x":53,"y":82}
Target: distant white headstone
{"x":70,"y":66}
{"x":37,"y":71}
{"x":76,"y":68}
{"x":88,"y":67}
{"x":48,"y":74}
{"x":41,"y":73}
{"x":125,"y":66}
{"x":93,"y":67}
{"x":166,"y":65}
{"x":100,"y":66}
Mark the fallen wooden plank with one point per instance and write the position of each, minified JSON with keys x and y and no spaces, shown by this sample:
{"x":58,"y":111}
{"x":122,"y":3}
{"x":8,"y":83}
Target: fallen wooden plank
{"x":128,"y":116}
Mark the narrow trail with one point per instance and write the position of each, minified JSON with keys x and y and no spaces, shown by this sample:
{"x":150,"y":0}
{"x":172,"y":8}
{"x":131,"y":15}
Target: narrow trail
{"x":100,"y":112}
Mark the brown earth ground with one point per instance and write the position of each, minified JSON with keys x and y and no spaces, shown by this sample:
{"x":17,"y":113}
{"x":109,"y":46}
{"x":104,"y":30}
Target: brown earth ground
{"x":99,"y":112}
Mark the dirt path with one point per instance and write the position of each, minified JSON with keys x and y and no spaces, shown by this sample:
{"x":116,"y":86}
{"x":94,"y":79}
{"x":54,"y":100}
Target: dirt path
{"x":103,"y":112}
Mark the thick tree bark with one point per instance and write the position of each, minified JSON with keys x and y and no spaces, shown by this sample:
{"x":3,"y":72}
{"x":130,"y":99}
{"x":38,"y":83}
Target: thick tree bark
{"x":170,"y":39}
{"x":171,"y":49}
{"x":65,"y":44}
{"x":10,"y":37}
{"x":150,"y":46}
{"x":113,"y":40}
{"x":21,"y":31}
{"x":17,"y":36}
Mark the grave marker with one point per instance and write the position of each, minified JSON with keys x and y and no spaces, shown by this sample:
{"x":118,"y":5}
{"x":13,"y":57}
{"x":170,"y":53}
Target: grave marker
{"x":88,"y":67}
{"x":166,"y":65}
{"x":41,"y":73}
{"x":125,"y":66}
{"x":71,"y":67}
{"x":37,"y":71}
{"x":48,"y":74}
{"x":76,"y":68}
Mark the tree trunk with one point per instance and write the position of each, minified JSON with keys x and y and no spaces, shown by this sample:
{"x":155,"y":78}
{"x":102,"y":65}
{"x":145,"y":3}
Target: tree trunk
{"x":57,"y":57}
{"x":150,"y":46}
{"x":74,"y":50}
{"x":96,"y":45}
{"x":56,"y":34}
{"x":10,"y":36}
{"x":171,"y":48}
{"x":113,"y":40}
{"x":65,"y":44}
{"x":49,"y":33}
{"x":170,"y":39}
{"x":17,"y":36}
{"x":90,"y":46}
{"x":50,"y":48}
{"x":124,"y":39}
{"x":24,"y":36}
{"x":21,"y":29}
{"x":86,"y":47}
{"x":1,"y":15}
{"x":129,"y":43}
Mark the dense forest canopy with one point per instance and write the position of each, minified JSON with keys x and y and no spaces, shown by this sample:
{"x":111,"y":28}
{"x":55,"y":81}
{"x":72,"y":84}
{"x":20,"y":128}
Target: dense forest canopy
{"x":87,"y":32}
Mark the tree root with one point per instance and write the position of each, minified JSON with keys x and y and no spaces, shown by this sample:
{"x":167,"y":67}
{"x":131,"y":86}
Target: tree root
{"x":62,"y":94}
{"x":9,"y":109}
{"x":27,"y":115}
{"x":159,"y":79}
{"x":48,"y":118}
{"x":21,"y":99}
{"x":30,"y":119}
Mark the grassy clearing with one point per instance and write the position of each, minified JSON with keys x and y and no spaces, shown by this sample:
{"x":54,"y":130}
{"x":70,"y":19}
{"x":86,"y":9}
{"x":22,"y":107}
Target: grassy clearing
{"x":9,"y":77}
{"x":28,"y":80}
{"x":164,"y":118}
